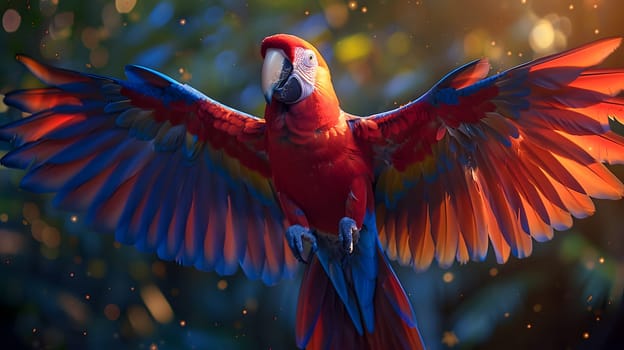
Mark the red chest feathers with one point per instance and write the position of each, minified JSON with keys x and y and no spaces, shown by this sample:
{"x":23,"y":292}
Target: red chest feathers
{"x":316,"y":176}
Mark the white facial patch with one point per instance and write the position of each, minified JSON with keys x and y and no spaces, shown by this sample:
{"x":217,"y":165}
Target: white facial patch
{"x":306,"y":63}
{"x":305,"y":69}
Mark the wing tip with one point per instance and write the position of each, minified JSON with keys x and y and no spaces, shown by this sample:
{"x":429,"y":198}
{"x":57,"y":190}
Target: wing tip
{"x":615,"y":40}
{"x":611,"y":44}
{"x":9,"y":99}
{"x":144,"y":74}
{"x":30,"y":63}
{"x":465,"y":75}
{"x":48,"y":74}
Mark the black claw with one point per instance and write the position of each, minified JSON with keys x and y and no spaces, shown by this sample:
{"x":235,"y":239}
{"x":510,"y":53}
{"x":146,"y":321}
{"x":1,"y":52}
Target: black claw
{"x":294,"y":246}
{"x":313,"y":250}
{"x":347,"y":228}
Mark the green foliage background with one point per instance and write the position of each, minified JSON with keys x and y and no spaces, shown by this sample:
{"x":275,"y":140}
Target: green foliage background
{"x":64,"y":287}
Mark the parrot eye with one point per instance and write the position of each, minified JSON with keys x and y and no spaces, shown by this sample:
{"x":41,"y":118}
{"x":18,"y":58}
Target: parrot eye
{"x":309,"y":58}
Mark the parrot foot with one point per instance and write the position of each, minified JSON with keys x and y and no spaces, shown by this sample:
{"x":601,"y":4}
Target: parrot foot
{"x":347,"y":230}
{"x":295,"y":235}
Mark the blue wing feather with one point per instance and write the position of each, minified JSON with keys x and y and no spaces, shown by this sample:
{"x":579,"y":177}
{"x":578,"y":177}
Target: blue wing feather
{"x":114,"y":149}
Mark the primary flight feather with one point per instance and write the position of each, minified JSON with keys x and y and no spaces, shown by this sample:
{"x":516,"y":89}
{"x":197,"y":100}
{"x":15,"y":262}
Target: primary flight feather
{"x":476,"y":161}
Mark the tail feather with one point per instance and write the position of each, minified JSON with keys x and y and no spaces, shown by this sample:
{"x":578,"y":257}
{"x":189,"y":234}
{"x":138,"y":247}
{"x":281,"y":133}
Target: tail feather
{"x":323,"y":321}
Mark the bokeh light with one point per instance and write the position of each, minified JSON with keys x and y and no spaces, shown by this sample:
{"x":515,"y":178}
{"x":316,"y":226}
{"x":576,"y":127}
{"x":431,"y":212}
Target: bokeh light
{"x":352,"y":48}
{"x":157,"y":304}
{"x":542,"y":36}
{"x":11,"y":20}
{"x":112,"y":312}
{"x":125,"y":6}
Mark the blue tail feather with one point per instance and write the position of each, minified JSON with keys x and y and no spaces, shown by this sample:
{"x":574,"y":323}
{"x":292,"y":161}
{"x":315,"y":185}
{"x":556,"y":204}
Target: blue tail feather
{"x":354,"y":277}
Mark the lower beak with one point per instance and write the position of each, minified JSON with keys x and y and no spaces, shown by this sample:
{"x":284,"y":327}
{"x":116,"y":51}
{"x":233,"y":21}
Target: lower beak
{"x":275,"y":72}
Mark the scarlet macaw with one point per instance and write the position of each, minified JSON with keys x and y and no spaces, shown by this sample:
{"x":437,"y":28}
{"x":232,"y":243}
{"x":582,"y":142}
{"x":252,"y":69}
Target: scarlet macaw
{"x":472,"y":162}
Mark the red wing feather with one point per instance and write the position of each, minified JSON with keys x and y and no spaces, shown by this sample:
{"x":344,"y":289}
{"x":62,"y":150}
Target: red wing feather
{"x":503,"y":159}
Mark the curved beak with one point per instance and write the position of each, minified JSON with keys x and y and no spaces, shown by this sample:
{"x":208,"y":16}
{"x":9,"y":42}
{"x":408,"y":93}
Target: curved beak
{"x":276,"y":70}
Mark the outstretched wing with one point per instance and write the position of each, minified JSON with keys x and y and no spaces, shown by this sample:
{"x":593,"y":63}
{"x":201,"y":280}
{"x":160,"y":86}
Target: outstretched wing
{"x":167,"y":168}
{"x":502,"y":159}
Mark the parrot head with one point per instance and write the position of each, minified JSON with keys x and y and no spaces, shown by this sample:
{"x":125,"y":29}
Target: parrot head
{"x":293,"y":69}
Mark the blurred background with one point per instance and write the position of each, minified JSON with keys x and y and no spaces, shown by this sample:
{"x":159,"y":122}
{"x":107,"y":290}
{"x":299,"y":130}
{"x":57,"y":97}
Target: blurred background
{"x":63,"y":286}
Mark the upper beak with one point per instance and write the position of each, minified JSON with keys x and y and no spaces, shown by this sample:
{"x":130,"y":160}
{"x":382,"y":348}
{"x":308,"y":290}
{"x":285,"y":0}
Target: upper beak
{"x":275,"y":71}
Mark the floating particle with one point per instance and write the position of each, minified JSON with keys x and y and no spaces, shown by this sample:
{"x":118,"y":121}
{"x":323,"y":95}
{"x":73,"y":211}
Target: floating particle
{"x":449,"y":339}
{"x":448,"y":277}
{"x":222,"y":284}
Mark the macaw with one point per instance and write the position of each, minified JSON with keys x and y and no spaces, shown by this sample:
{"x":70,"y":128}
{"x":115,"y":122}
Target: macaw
{"x":475,"y":161}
